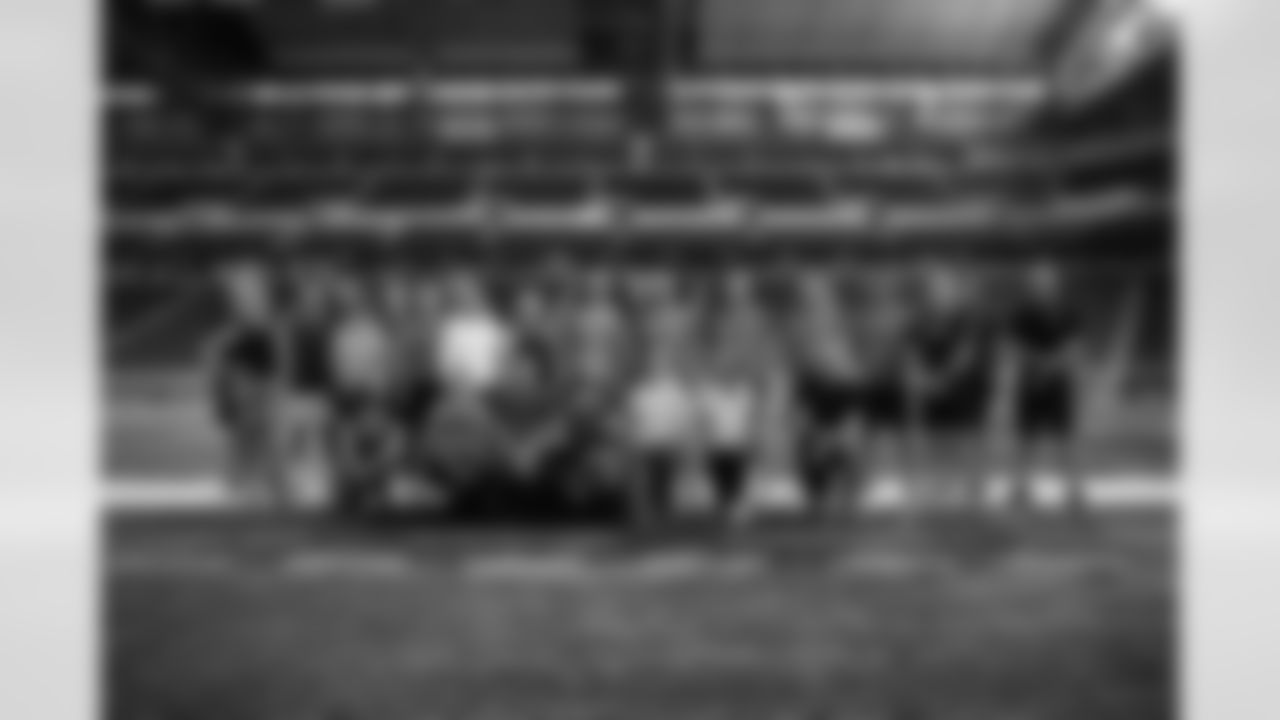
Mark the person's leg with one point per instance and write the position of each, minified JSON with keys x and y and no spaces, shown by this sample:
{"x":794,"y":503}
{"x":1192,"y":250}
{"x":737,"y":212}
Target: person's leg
{"x":310,"y":484}
{"x":852,"y":465}
{"x":1022,"y":456}
{"x":816,"y":439}
{"x":929,"y":446}
{"x":973,"y":464}
{"x":658,"y":471}
{"x":727,"y":467}
{"x":1063,"y":446}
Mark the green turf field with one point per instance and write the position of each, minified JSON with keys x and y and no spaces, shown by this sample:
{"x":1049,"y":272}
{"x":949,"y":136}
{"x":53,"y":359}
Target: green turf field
{"x":950,"y":619}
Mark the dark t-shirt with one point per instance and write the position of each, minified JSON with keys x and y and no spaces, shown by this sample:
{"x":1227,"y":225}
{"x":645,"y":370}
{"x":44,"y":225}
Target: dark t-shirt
{"x":309,"y":355}
{"x":957,"y":343}
{"x":1040,"y":333}
{"x":250,"y":350}
{"x":249,"y":358}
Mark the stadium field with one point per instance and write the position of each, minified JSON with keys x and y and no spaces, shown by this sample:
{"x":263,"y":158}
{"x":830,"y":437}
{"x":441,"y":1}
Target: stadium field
{"x":938,"y":617}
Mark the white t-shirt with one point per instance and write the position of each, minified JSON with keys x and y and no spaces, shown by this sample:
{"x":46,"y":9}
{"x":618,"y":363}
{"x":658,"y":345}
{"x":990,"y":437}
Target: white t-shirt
{"x":663,"y":413}
{"x":728,"y":412}
{"x":472,"y":350}
{"x":364,"y":354}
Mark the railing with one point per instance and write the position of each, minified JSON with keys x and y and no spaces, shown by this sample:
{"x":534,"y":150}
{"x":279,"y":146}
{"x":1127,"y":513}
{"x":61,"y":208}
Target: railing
{"x":842,"y":111}
{"x":488,"y":214}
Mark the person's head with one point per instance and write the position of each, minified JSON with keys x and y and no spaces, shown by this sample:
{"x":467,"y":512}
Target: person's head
{"x":353,"y":295}
{"x":531,"y":302}
{"x":249,"y":291}
{"x":598,"y":285}
{"x":816,"y":291}
{"x":312,"y":292}
{"x":1045,"y":281}
{"x":945,"y":287}
{"x":651,"y":288}
{"x":522,"y":373}
{"x":467,"y":291}
{"x":396,"y":293}
{"x":739,"y":288}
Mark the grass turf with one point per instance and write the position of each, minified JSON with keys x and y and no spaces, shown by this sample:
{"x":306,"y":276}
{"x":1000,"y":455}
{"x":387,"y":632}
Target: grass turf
{"x":977,"y":623}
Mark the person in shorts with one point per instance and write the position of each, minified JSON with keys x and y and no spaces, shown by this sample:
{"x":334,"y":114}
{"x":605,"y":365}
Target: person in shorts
{"x":735,"y":368}
{"x":1043,"y":366}
{"x":662,"y":411}
{"x":885,"y":326}
{"x":245,"y":371}
{"x":304,"y":416}
{"x":830,"y":387}
{"x":950,"y":389}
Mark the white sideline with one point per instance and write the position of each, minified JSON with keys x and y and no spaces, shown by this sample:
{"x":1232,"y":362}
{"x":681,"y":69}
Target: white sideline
{"x":210,"y":494}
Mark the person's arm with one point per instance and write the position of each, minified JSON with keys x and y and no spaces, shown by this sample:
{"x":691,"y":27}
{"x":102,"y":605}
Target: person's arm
{"x":215,"y":371}
{"x":1009,"y":369}
{"x":973,"y":337}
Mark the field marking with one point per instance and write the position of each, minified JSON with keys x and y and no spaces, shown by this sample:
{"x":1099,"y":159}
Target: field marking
{"x":558,"y":567}
{"x":172,"y":565}
{"x":1130,"y":491}
{"x":332,"y":564}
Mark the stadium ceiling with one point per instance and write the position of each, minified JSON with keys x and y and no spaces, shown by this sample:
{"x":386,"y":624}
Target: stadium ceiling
{"x":871,"y":37}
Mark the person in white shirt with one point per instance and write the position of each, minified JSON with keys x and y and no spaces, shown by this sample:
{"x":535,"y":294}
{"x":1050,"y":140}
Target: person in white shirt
{"x":471,"y":355}
{"x":367,"y":434}
{"x":662,"y":413}
{"x":473,"y":341}
{"x":245,"y":371}
{"x":735,"y":357}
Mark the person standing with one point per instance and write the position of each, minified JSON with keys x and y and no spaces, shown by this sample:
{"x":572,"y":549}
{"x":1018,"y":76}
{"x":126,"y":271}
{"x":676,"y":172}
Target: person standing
{"x":1043,"y":366}
{"x":306,"y":328}
{"x":662,"y":415}
{"x":950,"y":389}
{"x":245,"y":371}
{"x":733,"y":374}
{"x":831,"y":392}
{"x":885,"y":327}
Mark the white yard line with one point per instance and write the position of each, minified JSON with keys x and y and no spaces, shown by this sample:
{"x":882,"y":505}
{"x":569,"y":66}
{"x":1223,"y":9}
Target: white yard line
{"x":1134,"y":491}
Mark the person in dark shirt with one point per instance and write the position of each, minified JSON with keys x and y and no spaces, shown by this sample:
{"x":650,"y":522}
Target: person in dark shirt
{"x":367,"y":439}
{"x":1041,"y":363}
{"x":949,"y":373}
{"x":531,"y":412}
{"x":306,"y":324}
{"x":597,"y":360}
{"x":245,"y":369}
{"x":885,"y":329}
{"x":831,"y":389}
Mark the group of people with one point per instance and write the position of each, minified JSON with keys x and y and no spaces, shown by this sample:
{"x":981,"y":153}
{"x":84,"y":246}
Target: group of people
{"x":619,"y":387}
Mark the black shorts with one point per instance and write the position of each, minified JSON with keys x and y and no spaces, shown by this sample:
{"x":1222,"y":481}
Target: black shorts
{"x":1046,"y":409}
{"x":729,"y":470}
{"x":886,"y":404}
{"x":959,"y":407}
{"x":827,"y":402}
{"x":239,"y":411}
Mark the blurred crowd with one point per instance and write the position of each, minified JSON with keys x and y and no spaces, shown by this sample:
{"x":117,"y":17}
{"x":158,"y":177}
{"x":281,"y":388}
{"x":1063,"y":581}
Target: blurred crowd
{"x":576,"y":389}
